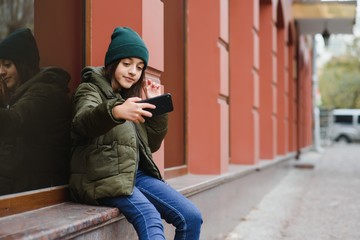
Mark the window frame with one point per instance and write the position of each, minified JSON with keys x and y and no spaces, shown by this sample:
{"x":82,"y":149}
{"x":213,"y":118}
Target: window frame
{"x":31,"y":200}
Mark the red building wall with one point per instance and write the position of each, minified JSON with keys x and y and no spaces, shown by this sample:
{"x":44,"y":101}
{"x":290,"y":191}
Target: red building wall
{"x":243,"y":112}
{"x":266,"y":74}
{"x":243,"y":99}
{"x":203,"y":72}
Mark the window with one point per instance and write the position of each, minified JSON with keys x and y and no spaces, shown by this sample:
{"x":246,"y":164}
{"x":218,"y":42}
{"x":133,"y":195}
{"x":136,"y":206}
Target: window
{"x":343,"y":119}
{"x":49,"y":21}
{"x":15,"y":14}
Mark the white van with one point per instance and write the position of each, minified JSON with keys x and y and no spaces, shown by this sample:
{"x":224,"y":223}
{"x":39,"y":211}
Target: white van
{"x":344,"y":125}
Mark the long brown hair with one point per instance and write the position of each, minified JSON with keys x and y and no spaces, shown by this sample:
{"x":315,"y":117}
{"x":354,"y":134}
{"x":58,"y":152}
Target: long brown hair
{"x":135,"y":90}
{"x":25,"y":71}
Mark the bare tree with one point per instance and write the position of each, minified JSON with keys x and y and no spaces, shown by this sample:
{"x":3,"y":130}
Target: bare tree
{"x":15,"y":14}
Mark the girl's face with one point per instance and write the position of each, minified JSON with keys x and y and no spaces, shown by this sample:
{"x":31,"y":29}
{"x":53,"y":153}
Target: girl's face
{"x":127,"y":73}
{"x":9,"y":74}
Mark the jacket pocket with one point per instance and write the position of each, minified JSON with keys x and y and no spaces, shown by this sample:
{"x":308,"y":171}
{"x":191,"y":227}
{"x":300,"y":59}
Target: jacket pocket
{"x":102,"y":162}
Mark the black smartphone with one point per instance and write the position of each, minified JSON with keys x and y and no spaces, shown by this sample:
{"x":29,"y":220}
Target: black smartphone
{"x":162,"y":102}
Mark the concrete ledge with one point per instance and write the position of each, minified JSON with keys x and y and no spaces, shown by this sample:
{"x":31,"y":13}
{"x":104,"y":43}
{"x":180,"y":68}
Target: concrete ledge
{"x":55,"y":222}
{"x":73,"y":221}
{"x":192,"y":184}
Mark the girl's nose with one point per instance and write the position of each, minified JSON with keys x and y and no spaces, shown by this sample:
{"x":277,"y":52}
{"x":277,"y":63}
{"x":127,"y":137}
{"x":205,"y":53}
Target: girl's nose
{"x":132,"y":69}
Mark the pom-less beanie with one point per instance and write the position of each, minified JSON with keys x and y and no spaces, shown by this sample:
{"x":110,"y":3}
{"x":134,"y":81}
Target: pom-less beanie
{"x":125,"y":43}
{"x":20,"y":46}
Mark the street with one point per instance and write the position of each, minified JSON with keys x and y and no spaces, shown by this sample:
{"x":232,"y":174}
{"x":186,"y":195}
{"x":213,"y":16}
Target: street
{"x":320,"y":203}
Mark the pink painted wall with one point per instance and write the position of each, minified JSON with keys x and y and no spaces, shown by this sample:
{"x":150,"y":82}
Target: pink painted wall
{"x":242,"y":113}
{"x":148,"y":22}
{"x":203,"y":73}
{"x":224,"y":83}
{"x":104,"y":19}
{"x":267,"y":131}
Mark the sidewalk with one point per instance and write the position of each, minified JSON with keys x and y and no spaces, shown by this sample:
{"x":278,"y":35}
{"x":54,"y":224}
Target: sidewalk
{"x":322,"y":203}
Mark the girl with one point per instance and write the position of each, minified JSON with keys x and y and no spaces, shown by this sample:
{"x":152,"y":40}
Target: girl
{"x":35,"y":117}
{"x":114,"y":137}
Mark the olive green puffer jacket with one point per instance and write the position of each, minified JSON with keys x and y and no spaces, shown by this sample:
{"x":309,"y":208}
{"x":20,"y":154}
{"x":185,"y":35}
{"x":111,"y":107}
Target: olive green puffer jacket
{"x":105,"y":150}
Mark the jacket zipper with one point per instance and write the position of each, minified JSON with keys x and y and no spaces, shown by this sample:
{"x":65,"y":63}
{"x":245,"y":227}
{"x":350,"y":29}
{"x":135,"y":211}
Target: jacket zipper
{"x":138,"y":152}
{"x":137,"y":156}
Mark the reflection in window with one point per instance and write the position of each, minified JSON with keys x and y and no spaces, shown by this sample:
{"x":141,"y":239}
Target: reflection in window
{"x":34,"y":107}
{"x":15,"y":14}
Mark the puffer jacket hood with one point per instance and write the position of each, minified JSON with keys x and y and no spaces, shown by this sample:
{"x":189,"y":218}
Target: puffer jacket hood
{"x":51,"y":76}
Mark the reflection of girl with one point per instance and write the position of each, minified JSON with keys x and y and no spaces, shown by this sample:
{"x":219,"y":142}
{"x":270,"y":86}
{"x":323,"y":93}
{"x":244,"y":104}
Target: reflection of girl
{"x":114,"y":137}
{"x":34,"y":118}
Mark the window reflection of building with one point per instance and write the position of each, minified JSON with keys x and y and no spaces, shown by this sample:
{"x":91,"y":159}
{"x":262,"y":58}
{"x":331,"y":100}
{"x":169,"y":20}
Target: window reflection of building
{"x":15,"y":14}
{"x":48,"y":26}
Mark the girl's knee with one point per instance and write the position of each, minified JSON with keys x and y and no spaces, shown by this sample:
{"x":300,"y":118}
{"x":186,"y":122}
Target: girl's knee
{"x":191,"y":226}
{"x":195,"y":218}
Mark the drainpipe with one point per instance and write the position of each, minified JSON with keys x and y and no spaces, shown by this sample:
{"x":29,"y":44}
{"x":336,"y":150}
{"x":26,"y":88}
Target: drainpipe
{"x":316,"y":110}
{"x":298,"y":148}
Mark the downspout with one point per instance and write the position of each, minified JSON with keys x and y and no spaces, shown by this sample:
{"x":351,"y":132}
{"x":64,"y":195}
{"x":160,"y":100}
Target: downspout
{"x":316,"y":110}
{"x":298,"y":151}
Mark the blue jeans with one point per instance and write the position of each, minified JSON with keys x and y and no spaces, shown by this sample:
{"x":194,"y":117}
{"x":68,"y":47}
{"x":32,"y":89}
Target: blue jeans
{"x":152,"y":200}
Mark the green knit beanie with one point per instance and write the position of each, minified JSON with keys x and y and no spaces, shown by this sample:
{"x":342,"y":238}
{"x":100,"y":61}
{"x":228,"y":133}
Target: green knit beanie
{"x":20,"y":46}
{"x":125,"y":43}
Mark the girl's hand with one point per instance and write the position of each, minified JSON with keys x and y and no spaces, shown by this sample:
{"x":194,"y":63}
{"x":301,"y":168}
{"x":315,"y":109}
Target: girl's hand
{"x":2,"y":87}
{"x":132,"y":110}
{"x":4,"y":93}
{"x":151,"y":88}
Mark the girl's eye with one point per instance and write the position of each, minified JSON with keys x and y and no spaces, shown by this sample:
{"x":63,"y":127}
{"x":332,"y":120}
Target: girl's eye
{"x":140,"y":68}
{"x":8,"y":64}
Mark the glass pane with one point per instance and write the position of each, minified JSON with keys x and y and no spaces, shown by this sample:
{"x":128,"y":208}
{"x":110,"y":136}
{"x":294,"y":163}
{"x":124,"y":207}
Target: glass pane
{"x":15,"y":14}
{"x":37,"y":66}
{"x":344,"y":119}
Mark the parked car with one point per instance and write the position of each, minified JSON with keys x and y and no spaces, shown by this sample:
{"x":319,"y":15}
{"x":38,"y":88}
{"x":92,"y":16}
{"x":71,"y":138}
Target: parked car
{"x":344,"y":125}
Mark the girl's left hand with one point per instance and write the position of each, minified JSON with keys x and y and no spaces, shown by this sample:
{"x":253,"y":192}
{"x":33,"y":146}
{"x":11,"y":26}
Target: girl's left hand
{"x":151,"y":88}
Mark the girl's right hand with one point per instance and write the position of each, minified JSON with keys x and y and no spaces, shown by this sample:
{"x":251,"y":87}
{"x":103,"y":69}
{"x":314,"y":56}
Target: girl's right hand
{"x":3,"y":93}
{"x":132,"y":110}
{"x":2,"y":86}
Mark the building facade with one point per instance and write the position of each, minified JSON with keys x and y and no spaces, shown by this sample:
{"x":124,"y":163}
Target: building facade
{"x":239,"y":72}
